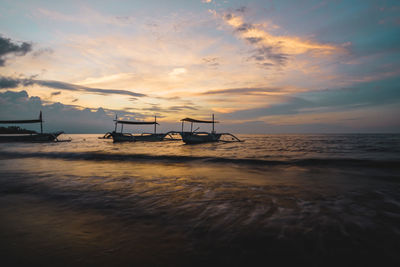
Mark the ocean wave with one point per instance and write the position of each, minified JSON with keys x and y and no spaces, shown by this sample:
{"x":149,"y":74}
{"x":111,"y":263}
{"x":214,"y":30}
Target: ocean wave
{"x":123,"y":157}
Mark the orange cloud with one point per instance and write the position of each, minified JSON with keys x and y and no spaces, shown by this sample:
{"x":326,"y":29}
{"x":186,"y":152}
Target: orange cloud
{"x":225,"y":110}
{"x":274,"y":49}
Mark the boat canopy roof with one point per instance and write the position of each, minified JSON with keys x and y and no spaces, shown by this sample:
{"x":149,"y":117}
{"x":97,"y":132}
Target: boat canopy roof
{"x":23,"y":121}
{"x":136,"y":122}
{"x":20,"y":121}
{"x":198,"y":121}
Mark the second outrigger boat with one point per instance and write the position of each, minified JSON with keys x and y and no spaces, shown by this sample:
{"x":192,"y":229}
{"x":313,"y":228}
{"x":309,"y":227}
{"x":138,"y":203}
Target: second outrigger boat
{"x":128,"y":137}
{"x":194,"y":137}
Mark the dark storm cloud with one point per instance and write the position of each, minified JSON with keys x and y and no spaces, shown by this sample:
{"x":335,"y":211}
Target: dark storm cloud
{"x":9,"y":83}
{"x":13,"y":96}
{"x":7,"y":46}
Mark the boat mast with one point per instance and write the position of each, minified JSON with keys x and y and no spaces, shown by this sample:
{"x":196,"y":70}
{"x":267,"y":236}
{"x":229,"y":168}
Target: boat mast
{"x":116,"y":118}
{"x":41,"y":122}
{"x":213,"y":123}
{"x":155,"y":124}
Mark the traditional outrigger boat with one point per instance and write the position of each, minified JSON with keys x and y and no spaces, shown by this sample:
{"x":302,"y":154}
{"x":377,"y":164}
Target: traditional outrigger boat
{"x":128,"y":137}
{"x":32,"y":136}
{"x":194,"y":137}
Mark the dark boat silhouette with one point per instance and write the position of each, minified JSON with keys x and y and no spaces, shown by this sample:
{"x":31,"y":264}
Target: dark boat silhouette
{"x":194,"y":137}
{"x":128,"y":137}
{"x":15,"y":134}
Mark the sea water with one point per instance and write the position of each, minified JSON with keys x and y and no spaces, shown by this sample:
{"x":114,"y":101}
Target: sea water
{"x":315,"y":200}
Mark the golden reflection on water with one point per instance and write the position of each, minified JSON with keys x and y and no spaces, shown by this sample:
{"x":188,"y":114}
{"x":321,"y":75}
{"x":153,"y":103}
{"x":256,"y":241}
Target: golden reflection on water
{"x":159,"y":213}
{"x":161,"y":184}
{"x":62,"y":206}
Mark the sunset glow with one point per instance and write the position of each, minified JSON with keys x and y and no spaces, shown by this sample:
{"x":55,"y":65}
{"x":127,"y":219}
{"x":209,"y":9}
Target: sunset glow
{"x":273,"y":65}
{"x":200,"y":133}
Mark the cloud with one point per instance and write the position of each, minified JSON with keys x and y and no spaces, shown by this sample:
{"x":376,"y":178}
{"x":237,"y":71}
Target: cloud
{"x":9,"y":83}
{"x":56,"y":93}
{"x":158,"y":108}
{"x":8,"y":47}
{"x":254,"y":40}
{"x":86,"y":16}
{"x":265,"y":56}
{"x":243,"y":91}
{"x":211,"y":61}
{"x":273,"y":50}
{"x":57,"y":116}
{"x":241,"y":9}
{"x":291,"y":106}
{"x":42,"y":51}
{"x":365,"y":95}
{"x":177,"y":71}
{"x":177,"y":108}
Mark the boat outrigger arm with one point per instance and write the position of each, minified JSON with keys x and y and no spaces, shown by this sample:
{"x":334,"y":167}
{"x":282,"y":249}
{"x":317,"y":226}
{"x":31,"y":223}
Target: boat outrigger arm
{"x":203,"y":137}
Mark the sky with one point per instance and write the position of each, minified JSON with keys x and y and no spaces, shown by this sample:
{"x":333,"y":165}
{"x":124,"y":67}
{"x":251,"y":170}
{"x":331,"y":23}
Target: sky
{"x":259,"y":66}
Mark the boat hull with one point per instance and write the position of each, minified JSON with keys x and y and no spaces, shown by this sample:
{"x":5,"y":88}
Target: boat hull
{"x":123,"y":137}
{"x":33,"y":138}
{"x":152,"y":137}
{"x":199,"y":138}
